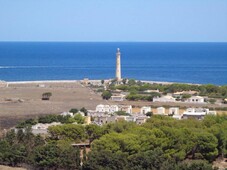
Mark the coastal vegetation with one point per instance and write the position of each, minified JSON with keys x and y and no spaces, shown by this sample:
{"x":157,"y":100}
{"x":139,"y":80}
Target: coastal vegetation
{"x":160,"y":143}
{"x":64,"y":119}
{"x":141,"y":91}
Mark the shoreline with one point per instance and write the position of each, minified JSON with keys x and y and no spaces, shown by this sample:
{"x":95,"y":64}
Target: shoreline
{"x":42,"y":81}
{"x":76,"y":81}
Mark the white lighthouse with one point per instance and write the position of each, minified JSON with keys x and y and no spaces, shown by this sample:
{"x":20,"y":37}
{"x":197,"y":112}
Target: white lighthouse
{"x":118,"y":65}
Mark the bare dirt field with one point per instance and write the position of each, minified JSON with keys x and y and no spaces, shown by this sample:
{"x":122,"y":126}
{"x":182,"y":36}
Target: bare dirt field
{"x":22,"y":101}
{"x":10,"y":168}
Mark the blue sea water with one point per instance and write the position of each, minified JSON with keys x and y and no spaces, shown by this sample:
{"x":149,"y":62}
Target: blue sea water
{"x":201,"y":63}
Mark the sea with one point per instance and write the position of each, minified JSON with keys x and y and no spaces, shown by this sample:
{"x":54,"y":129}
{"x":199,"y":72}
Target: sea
{"x":200,"y":63}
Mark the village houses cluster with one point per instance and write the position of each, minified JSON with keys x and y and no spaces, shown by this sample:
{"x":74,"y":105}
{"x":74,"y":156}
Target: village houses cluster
{"x":110,"y":113}
{"x":135,"y":113}
{"x":104,"y":114}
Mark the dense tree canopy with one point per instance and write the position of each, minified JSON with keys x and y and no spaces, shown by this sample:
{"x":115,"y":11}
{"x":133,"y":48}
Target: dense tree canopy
{"x":160,"y":143}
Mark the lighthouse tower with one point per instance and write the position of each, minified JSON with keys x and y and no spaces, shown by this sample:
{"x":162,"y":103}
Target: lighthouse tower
{"x":118,"y":65}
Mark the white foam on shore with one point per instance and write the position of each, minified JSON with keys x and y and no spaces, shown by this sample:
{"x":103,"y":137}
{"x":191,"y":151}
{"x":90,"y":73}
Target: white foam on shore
{"x":75,"y":81}
{"x":167,"y":82}
{"x":157,"y":82}
{"x":43,"y":81}
{"x":47,"y":81}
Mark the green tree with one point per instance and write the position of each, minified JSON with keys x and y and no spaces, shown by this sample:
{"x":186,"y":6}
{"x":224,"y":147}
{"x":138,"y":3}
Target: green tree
{"x":147,"y":160}
{"x":93,"y":132}
{"x":186,"y":96}
{"x":11,"y":137}
{"x":105,"y":160}
{"x":131,"y":82}
{"x":46,"y":156}
{"x":106,"y":95}
{"x":124,"y":81}
{"x":46,"y":96}
{"x":69,"y":157}
{"x":48,"y":119}
{"x":121,"y":113}
{"x":195,"y":165}
{"x":206,"y":145}
{"x":149,"y":114}
{"x":26,"y":123}
{"x":212,"y":101}
{"x":11,"y":155}
{"x":39,"y":140}
{"x":79,"y":119}
{"x":84,"y":154}
{"x":73,"y":110}
{"x":70,"y":132}
{"x":84,"y":111}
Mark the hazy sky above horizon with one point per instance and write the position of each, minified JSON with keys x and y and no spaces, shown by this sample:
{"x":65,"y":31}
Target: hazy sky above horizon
{"x":114,"y":20}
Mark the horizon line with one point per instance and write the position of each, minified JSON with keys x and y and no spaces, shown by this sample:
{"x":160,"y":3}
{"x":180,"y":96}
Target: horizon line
{"x":46,"y":41}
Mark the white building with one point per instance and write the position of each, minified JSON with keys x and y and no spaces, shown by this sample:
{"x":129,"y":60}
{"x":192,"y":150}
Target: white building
{"x":120,"y":97}
{"x":178,"y":117}
{"x":126,"y":108}
{"x":107,"y":108}
{"x":45,"y":125}
{"x":151,"y":91}
{"x":141,"y":119}
{"x":145,"y":110}
{"x":41,"y":85}
{"x":114,"y":108}
{"x":67,"y":114}
{"x":3,"y":84}
{"x":164,"y":99}
{"x":198,"y":113}
{"x":41,"y":128}
{"x":161,"y":110}
{"x":196,"y":99}
{"x":173,"y":111}
{"x":103,"y":108}
{"x":100,"y":120}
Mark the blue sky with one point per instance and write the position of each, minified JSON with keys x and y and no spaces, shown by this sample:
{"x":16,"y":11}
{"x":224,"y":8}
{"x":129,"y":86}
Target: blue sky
{"x":114,"y":20}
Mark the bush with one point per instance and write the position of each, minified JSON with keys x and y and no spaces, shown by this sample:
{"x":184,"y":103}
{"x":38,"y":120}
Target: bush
{"x":212,"y":101}
{"x":46,"y":96}
{"x":84,"y":111}
{"x":73,"y":110}
{"x":106,"y":95}
{"x":121,"y":113}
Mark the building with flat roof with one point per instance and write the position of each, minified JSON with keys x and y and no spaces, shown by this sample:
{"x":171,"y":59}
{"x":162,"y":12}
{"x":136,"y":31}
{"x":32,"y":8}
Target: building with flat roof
{"x":161,"y":111}
{"x":164,"y":99}
{"x":195,"y":99}
{"x":145,"y":109}
{"x":173,"y":111}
